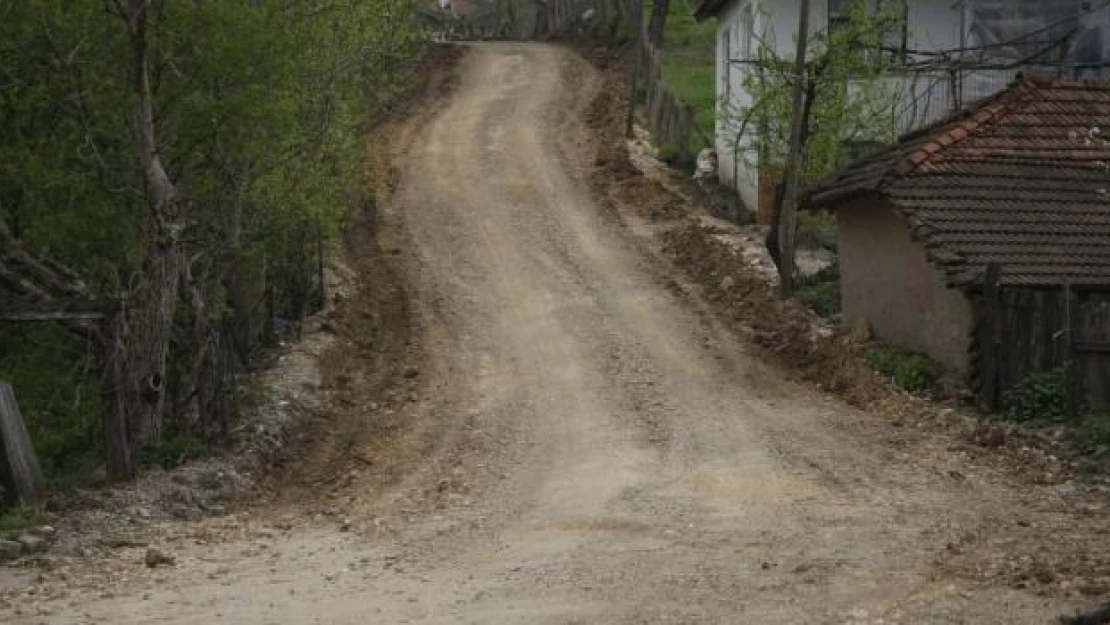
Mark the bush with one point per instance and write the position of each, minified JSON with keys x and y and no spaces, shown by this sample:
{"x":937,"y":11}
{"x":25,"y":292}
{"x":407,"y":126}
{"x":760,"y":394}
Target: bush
{"x":822,"y":298}
{"x":1094,"y":434}
{"x":820,"y":292}
{"x":15,"y":519}
{"x":911,"y":370}
{"x":669,"y":153}
{"x":816,"y":230}
{"x":1039,"y":397}
{"x":57,"y":392}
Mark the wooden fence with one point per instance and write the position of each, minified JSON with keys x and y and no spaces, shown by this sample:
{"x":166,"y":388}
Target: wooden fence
{"x":670,"y":120}
{"x":1023,"y":331}
{"x":566,"y":17}
{"x":20,"y":474}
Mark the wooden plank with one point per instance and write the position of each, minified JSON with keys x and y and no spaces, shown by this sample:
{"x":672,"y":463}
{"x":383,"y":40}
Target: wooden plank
{"x":988,"y":342}
{"x":20,"y":472}
{"x":1072,"y":369}
{"x":58,"y":315}
{"x":1091,"y":348}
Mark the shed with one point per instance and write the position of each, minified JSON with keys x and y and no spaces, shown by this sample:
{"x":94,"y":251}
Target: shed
{"x":1018,"y":181}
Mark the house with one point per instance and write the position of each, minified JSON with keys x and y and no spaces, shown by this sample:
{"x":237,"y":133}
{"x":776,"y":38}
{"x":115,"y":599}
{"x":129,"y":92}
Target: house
{"x":953,"y":52}
{"x":1020,"y":180}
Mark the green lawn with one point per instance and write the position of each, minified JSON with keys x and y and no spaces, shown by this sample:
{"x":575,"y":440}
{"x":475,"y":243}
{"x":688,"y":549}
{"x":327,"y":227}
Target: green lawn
{"x":689,"y":61}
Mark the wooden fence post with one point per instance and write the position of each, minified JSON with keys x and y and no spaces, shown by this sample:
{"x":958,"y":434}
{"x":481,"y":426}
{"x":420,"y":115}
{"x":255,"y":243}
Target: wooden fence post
{"x":1071,"y":368}
{"x":20,"y":472}
{"x":638,"y":59}
{"x":988,"y":338}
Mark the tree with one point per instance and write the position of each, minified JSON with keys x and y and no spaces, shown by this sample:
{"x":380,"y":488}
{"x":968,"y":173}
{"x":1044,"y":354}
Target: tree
{"x":191,"y":160}
{"x":658,"y":22}
{"x":846,"y":100}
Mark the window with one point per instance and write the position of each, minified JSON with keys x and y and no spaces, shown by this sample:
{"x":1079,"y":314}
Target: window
{"x":840,"y":15}
{"x":896,"y":16}
{"x":747,"y":32}
{"x":1045,"y":32}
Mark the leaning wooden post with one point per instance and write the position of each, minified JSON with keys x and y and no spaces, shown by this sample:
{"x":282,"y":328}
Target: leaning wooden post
{"x":20,"y":472}
{"x":113,"y":384}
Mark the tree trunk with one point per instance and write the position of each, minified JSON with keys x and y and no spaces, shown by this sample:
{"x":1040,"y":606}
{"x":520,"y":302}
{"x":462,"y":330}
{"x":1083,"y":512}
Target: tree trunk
{"x":151,"y":319}
{"x":658,"y":24}
{"x":775,"y":235}
{"x":20,"y":473}
{"x":113,"y":399}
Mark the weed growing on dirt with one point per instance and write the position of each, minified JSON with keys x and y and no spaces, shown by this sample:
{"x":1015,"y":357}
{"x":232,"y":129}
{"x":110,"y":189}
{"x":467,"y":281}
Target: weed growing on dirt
{"x":12,"y":520}
{"x":669,"y":153}
{"x":1039,"y":397}
{"x":820,"y":292}
{"x":689,"y":62}
{"x":816,"y":230}
{"x":910,"y":369}
{"x":1093,"y":432}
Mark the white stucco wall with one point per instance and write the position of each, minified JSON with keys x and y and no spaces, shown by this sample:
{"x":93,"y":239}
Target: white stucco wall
{"x":933,"y":25}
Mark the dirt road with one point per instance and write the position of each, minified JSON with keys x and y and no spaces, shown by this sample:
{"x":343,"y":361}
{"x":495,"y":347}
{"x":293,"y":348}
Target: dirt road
{"x":588,"y":445}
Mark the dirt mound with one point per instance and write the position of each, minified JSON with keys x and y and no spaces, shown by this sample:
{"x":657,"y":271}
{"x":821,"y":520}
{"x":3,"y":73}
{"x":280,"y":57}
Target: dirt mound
{"x":795,"y":336}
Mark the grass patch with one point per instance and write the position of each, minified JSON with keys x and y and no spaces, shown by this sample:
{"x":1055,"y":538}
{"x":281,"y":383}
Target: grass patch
{"x":1041,"y":400}
{"x":689,"y":54}
{"x":1093,"y":432}
{"x":817,"y":230}
{"x":910,"y":369}
{"x":14,"y":520}
{"x":820,"y":292}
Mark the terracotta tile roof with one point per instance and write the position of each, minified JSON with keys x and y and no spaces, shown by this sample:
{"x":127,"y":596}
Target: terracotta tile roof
{"x":1016,"y":180}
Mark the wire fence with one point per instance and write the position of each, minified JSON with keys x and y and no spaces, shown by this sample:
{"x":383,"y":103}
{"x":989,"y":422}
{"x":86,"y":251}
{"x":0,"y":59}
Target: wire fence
{"x":929,"y":96}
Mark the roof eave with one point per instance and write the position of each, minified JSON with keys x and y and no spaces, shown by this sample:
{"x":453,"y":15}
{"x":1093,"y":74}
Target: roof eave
{"x":710,"y":8}
{"x":831,"y":199}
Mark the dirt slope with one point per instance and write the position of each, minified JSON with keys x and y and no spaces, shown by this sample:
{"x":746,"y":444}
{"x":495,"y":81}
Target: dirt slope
{"x":586,"y":444}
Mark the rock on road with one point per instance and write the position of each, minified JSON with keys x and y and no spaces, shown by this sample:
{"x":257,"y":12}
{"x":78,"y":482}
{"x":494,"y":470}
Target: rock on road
{"x":600,"y":451}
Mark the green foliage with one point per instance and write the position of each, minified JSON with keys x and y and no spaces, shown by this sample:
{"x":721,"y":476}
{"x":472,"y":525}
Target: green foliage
{"x":55,"y":382}
{"x":821,"y":291}
{"x":817,"y":230}
{"x":689,"y":62}
{"x":676,"y":156}
{"x":910,"y":369}
{"x":1094,"y":434}
{"x":1039,"y":397}
{"x":841,"y":115}
{"x":15,"y":519}
{"x":624,"y":31}
{"x":260,"y":107}
{"x":669,"y":153}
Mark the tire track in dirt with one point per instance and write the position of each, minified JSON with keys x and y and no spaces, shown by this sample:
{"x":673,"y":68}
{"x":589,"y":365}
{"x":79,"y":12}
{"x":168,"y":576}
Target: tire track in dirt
{"x":585,"y":443}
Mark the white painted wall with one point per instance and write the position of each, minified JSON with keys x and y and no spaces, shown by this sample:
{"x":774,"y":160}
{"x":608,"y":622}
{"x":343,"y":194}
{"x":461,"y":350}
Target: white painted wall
{"x":933,"y":25}
{"x":736,"y":31}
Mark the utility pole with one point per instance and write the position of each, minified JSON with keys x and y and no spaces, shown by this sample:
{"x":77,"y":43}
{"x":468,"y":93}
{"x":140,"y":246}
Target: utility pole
{"x":788,"y":211}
